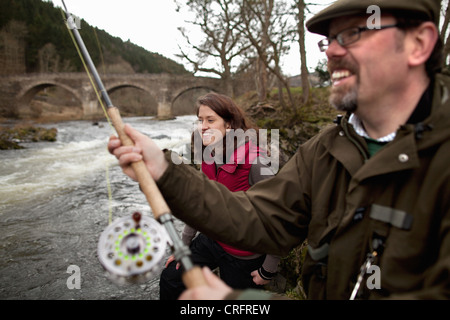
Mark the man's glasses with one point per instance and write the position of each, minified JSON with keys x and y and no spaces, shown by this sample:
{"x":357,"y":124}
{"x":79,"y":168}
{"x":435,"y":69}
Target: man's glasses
{"x":349,"y":36}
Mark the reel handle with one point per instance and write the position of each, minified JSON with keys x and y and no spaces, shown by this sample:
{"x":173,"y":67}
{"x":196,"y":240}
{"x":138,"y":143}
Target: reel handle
{"x":192,"y":277}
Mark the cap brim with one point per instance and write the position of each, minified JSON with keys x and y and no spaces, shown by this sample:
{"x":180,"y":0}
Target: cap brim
{"x":320,"y":23}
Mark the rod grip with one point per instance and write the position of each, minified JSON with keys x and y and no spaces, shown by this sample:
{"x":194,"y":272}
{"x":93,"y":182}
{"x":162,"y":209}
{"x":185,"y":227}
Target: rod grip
{"x":193,"y":278}
{"x":146,"y":182}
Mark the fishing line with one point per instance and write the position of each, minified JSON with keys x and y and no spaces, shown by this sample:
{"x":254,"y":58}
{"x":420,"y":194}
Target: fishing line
{"x":129,"y":249}
{"x":88,"y":73}
{"x":108,"y":187}
{"x":108,"y":183}
{"x":100,"y":50}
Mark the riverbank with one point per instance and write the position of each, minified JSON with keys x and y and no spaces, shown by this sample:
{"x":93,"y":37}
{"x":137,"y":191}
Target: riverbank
{"x":296,"y":126}
{"x":12,"y":137}
{"x":56,"y":198}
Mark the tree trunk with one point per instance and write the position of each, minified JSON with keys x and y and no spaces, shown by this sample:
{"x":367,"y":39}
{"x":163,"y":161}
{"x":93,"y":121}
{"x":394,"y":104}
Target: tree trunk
{"x":443,"y":33}
{"x":261,"y":81}
{"x":301,"y":40}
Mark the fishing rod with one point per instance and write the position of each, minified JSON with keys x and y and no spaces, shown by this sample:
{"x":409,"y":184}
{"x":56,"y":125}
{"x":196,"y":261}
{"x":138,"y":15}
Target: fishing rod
{"x":131,"y":248}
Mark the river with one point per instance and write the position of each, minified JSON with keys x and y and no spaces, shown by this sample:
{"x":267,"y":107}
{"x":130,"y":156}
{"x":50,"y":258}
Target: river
{"x":54,"y":204}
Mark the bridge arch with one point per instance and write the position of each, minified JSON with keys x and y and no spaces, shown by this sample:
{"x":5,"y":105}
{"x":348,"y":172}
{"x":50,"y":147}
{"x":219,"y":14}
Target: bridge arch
{"x":191,"y":100}
{"x":28,"y":94}
{"x":135,"y":99}
{"x":116,"y":86}
{"x":183,"y":91}
{"x":167,"y":90}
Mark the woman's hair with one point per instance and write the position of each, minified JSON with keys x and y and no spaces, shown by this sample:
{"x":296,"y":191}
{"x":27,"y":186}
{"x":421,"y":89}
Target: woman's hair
{"x":227,"y":109}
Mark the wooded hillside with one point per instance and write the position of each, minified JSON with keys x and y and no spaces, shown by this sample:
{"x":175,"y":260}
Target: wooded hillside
{"x":34,"y":38}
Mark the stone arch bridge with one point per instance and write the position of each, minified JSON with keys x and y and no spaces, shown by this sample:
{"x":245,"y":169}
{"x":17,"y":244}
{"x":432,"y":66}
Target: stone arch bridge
{"x":16,"y":91}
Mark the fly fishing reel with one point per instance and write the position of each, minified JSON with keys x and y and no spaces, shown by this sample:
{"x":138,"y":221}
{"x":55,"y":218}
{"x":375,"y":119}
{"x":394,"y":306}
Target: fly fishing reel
{"x":131,"y":249}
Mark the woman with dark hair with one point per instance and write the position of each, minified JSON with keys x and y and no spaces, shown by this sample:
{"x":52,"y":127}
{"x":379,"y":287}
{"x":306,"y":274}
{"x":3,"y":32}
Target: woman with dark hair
{"x":230,"y":155}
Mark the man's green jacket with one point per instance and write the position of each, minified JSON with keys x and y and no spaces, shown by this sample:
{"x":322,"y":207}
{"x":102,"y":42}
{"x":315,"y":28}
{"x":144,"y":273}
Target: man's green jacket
{"x":347,"y":205}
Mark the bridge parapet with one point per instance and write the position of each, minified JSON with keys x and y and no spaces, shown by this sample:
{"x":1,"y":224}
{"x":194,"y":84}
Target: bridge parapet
{"x":16,"y":91}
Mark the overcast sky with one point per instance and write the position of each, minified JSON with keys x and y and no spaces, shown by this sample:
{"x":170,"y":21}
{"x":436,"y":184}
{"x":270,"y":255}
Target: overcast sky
{"x":152,"y":24}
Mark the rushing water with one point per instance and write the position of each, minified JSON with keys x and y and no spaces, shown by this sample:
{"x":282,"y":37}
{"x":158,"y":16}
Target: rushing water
{"x":54,"y":204}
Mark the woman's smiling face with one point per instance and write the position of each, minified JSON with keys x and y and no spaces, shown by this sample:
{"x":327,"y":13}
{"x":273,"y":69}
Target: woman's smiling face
{"x":210,"y":125}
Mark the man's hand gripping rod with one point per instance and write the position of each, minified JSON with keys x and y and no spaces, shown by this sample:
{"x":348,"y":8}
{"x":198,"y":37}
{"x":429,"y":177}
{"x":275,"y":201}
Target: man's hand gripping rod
{"x":192,"y":277}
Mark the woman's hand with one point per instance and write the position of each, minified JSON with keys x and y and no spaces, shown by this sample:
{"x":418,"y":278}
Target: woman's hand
{"x":170,"y":259}
{"x":257,"y":278}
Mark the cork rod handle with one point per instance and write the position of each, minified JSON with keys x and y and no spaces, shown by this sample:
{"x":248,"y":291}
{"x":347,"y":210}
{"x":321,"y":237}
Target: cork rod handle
{"x":194,"y":276}
{"x":146,"y":182}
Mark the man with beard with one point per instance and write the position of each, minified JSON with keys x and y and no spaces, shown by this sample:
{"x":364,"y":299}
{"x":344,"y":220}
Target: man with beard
{"x":370,"y":195}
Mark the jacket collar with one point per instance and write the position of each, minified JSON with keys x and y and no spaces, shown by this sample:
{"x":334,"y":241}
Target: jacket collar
{"x":420,"y":113}
{"x":359,"y":128}
{"x":433,"y":114}
{"x":431,"y":117}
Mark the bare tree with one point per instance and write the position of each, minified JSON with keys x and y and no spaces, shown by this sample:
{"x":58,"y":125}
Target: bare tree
{"x":49,"y":59}
{"x":445,"y":35}
{"x":301,"y":41}
{"x":267,"y":25}
{"x":261,"y":60}
{"x":218,"y":20}
{"x":12,"y":48}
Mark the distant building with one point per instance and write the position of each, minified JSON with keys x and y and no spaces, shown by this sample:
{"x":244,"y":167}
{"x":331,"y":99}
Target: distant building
{"x":314,"y":80}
